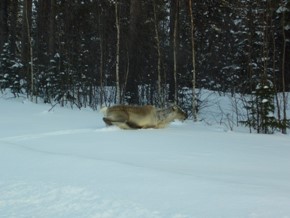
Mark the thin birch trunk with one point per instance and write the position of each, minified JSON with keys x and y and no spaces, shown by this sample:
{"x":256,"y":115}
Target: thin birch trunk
{"x":30,"y":50}
{"x":175,"y":53}
{"x":193,"y":62}
{"x":284,"y":128}
{"x":118,"y":93}
{"x":160,"y":98}
{"x":101,"y":63}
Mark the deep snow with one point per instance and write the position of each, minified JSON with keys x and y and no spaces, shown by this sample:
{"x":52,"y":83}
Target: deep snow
{"x":66,"y":163}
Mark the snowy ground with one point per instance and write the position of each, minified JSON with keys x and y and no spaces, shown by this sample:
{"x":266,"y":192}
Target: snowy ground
{"x":66,"y":163}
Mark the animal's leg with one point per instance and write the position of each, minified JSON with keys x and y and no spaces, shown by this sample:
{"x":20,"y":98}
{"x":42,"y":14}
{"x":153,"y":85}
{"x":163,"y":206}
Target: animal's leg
{"x":117,"y":119}
{"x":149,"y":127}
{"x":133,"y":125}
{"x":121,"y":125}
{"x":107,"y":121}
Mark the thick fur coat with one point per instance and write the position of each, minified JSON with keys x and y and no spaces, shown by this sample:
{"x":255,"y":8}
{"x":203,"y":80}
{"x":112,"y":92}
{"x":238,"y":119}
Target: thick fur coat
{"x":137,"y":117}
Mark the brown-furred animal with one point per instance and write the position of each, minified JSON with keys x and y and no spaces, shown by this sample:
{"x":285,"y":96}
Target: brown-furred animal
{"x":142,"y":117}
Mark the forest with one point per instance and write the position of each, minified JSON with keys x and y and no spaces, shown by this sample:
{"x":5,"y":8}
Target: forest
{"x":90,"y":53}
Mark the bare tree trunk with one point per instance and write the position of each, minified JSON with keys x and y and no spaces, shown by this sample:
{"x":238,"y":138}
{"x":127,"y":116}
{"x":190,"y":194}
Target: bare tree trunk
{"x":27,"y":52}
{"x":193,"y":62}
{"x":175,"y":52}
{"x":101,"y":69}
{"x":126,"y":76}
{"x":160,"y":97}
{"x":277,"y":100}
{"x":32,"y":91}
{"x":118,"y":94}
{"x":134,"y":52}
{"x":284,"y":128}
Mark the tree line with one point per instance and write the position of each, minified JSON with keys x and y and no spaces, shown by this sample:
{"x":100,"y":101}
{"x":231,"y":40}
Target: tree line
{"x":95,"y":52}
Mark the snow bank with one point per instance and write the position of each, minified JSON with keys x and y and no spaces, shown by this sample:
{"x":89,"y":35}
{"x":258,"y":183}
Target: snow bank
{"x":66,"y":163}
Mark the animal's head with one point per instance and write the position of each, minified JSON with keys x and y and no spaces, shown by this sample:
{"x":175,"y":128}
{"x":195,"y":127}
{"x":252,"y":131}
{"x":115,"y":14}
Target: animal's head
{"x":179,"y":113}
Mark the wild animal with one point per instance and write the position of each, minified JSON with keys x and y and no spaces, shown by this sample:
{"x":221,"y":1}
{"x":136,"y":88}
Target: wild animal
{"x":142,"y":117}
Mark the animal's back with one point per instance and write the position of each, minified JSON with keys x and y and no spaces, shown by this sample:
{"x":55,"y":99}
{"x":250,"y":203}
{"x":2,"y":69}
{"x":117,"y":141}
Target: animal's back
{"x":138,"y":110}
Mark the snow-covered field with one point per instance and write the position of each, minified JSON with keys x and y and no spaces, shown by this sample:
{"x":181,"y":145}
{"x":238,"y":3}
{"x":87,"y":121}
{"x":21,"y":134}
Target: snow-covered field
{"x":66,"y":163}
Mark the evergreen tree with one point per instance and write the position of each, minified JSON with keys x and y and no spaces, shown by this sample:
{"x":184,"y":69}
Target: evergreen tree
{"x":261,"y":109}
{"x":10,"y":71}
